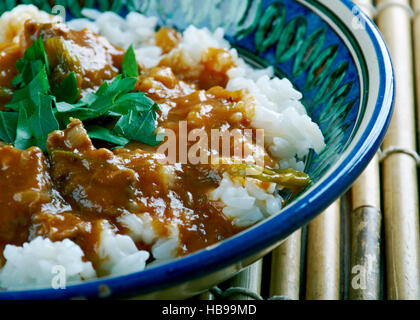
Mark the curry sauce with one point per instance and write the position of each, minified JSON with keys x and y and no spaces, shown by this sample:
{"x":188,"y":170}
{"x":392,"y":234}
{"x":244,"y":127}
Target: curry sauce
{"x":68,"y":191}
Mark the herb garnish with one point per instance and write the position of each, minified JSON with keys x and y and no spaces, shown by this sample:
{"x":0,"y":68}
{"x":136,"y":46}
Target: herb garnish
{"x":38,"y":108}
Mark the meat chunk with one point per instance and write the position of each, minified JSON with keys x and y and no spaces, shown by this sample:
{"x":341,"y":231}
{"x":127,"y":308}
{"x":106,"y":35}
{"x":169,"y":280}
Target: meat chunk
{"x":210,"y":71}
{"x":167,"y":39}
{"x":30,"y":206}
{"x":24,"y":188}
{"x":93,"y":181}
{"x":91,"y":57}
{"x":74,"y":139}
{"x":58,"y":226}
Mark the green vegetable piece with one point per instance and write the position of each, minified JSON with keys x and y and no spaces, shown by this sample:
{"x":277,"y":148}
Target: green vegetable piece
{"x":132,"y":101}
{"x":67,"y":90}
{"x":40,"y":110}
{"x":24,"y":138}
{"x":39,"y":84}
{"x":101,"y":133}
{"x":34,"y":59}
{"x":43,"y":121}
{"x":8,"y":124}
{"x":130,"y":67}
{"x":65,"y":110}
{"x":288,"y":178}
{"x":65,"y":153}
{"x":139,"y":126}
{"x":107,"y":94}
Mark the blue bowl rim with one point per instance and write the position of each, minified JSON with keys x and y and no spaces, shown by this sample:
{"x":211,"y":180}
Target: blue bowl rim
{"x":265,"y":234}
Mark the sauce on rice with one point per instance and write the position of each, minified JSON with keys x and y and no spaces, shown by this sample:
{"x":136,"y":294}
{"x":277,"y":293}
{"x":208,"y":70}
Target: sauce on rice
{"x":65,"y":193}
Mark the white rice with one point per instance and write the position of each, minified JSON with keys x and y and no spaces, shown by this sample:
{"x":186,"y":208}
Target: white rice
{"x":289,"y":136}
{"x":35,"y":264}
{"x":246,"y":202}
{"x":11,"y":22}
{"x":119,"y":253}
{"x":140,"y":228}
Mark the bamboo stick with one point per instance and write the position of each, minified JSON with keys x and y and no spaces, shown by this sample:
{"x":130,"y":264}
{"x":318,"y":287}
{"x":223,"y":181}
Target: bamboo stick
{"x":399,"y":170}
{"x":345,"y":213}
{"x":285,"y":268}
{"x":365,"y":254}
{"x":416,"y":38}
{"x":365,"y":224}
{"x":323,"y":255}
{"x":249,"y":279}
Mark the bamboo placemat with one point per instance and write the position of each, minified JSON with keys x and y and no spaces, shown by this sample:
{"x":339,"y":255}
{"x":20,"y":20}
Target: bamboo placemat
{"x":366,"y":244}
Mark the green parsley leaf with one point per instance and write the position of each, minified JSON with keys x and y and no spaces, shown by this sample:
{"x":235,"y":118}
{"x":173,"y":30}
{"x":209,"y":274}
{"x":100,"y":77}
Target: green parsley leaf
{"x":8,"y":124}
{"x":38,"y":110}
{"x":101,"y":133}
{"x":34,"y":59}
{"x":67,"y":90}
{"x":130,"y":67}
{"x":139,"y":126}
{"x":24,"y":138}
{"x":43,"y":121}
{"x":107,"y":94}
{"x":39,"y":84}
{"x":65,"y":110}
{"x":134,"y":100}
{"x":36,"y":118}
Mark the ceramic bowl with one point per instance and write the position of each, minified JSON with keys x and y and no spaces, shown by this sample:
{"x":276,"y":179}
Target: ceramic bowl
{"x":337,"y":58}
